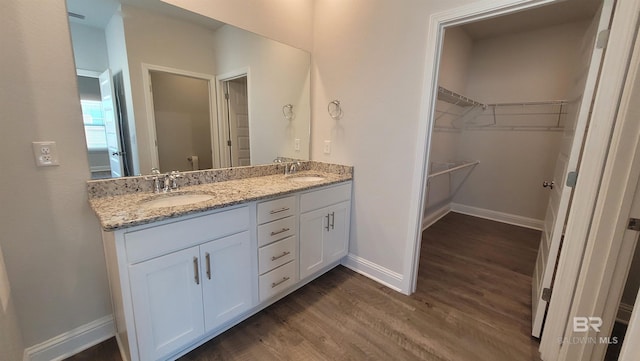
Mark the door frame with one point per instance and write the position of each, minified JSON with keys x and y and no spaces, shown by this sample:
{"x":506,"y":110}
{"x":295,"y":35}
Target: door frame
{"x":596,"y":144}
{"x":151,"y":119}
{"x":223,"y":126}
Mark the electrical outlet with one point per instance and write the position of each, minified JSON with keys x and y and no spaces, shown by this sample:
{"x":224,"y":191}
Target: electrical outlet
{"x":327,"y":147}
{"x":45,"y":153}
{"x":296,"y":144}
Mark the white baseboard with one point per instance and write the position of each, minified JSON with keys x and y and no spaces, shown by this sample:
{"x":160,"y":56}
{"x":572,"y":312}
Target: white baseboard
{"x":374,"y":271}
{"x":434,"y":216}
{"x":72,"y":342}
{"x":624,"y":313}
{"x":516,"y":220}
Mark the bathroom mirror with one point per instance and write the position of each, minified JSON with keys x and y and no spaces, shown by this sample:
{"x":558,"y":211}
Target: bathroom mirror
{"x":165,"y":88}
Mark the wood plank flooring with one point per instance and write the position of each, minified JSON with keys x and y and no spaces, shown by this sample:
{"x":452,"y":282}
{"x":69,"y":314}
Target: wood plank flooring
{"x":473,"y":303}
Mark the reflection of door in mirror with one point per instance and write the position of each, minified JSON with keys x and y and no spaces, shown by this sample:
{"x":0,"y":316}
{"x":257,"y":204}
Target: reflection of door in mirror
{"x":182,"y":120}
{"x":100,"y":125}
{"x":237,"y":121}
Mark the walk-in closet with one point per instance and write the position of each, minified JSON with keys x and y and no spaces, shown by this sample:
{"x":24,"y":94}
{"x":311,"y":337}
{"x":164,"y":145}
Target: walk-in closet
{"x":506,"y":103}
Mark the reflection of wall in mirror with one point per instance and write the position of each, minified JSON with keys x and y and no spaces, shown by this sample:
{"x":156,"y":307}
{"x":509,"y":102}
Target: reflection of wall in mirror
{"x":271,"y":65}
{"x":181,"y":108}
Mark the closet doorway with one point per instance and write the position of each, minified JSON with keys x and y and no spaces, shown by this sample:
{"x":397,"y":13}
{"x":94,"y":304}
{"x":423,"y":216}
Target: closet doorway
{"x":514,"y":94}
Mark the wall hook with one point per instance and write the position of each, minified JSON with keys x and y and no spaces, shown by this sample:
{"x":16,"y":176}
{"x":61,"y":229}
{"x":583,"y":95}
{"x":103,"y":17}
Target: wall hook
{"x":335,"y":110}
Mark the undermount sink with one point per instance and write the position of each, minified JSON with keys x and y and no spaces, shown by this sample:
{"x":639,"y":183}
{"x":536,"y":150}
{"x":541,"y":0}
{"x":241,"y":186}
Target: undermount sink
{"x":306,"y":178}
{"x":172,"y":200}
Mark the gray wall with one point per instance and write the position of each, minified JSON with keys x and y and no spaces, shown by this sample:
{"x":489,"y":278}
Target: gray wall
{"x":50,"y":238}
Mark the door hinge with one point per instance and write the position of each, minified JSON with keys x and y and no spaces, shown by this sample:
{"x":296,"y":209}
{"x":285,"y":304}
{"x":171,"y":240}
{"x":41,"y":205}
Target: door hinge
{"x":546,"y":294}
{"x":228,"y":143}
{"x":226,"y":96}
{"x":572,"y":178}
{"x":634,"y":224}
{"x":603,"y":39}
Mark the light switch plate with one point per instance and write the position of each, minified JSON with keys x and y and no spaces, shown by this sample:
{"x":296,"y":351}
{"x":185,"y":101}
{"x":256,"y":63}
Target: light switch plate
{"x":45,"y":153}
{"x":296,"y":144}
{"x":327,"y":147}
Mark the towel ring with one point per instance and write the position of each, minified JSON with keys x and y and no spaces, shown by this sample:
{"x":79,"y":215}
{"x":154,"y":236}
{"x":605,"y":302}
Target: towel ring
{"x":335,"y":110}
{"x":287,"y":111}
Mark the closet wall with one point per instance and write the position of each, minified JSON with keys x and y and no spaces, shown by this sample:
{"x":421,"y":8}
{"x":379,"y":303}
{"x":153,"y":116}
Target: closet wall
{"x":520,"y":67}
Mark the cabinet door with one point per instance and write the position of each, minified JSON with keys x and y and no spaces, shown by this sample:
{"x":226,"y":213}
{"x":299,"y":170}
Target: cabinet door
{"x":167,"y":299}
{"x":313,"y":229}
{"x":227,"y":278}
{"x":336,"y":242}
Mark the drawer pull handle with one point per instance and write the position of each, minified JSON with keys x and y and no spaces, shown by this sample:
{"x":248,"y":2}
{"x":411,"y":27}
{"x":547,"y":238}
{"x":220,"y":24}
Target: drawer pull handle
{"x":283,"y":209}
{"x":195,"y":270}
{"x":280,"y":231}
{"x":283,"y":280}
{"x":208,"y":261}
{"x":285,"y":253}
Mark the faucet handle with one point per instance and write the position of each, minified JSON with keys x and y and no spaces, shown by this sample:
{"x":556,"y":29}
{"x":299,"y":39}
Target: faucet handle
{"x":155,"y":171}
{"x":173,"y":176}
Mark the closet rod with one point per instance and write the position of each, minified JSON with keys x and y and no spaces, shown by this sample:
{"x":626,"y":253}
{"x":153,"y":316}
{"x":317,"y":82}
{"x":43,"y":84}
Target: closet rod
{"x":454,"y":169}
{"x":547,"y":102}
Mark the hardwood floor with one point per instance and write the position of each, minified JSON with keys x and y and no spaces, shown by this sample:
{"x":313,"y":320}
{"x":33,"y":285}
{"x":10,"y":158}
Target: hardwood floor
{"x":473,"y":303}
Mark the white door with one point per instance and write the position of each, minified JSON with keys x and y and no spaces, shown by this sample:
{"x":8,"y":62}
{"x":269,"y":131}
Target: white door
{"x":167,"y":296}
{"x":227,"y":278}
{"x":580,"y":98}
{"x":111,"y":124}
{"x":238,"y":122}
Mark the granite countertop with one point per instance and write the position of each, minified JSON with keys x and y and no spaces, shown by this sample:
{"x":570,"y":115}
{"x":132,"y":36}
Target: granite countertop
{"x":124,"y":210}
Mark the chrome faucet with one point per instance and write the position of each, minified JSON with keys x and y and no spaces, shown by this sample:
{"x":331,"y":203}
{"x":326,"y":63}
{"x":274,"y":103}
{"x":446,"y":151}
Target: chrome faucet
{"x":170,"y":181}
{"x":155,"y":177}
{"x":291,"y":168}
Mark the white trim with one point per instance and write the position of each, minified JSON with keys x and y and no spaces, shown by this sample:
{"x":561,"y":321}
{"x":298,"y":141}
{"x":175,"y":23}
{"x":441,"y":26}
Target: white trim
{"x":374,"y":271}
{"x":151,"y":120}
{"x":631,"y":350}
{"x":72,"y":342}
{"x":434,"y":216}
{"x":501,"y":217}
{"x":88,"y":73}
{"x":437,"y":22}
{"x":624,"y":313}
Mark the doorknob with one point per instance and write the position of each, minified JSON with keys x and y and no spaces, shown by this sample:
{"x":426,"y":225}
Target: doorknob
{"x":548,"y":184}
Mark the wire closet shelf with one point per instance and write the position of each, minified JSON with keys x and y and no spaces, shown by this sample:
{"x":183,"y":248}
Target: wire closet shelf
{"x":466,"y":113}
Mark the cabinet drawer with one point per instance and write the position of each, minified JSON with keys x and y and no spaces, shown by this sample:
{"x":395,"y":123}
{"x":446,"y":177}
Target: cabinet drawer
{"x":276,"y":209}
{"x":156,"y":241}
{"x":325,"y":197}
{"x":276,"y":254}
{"x":276,"y":230}
{"x":277,"y":280}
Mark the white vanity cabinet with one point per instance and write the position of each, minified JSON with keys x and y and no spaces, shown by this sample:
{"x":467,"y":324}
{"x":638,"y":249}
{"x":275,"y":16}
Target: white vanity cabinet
{"x":324,"y":227}
{"x":179,"y":282}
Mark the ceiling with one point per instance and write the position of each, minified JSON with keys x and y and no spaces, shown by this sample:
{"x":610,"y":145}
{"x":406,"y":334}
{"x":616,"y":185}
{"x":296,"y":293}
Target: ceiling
{"x":544,"y":16}
{"x":98,"y":12}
